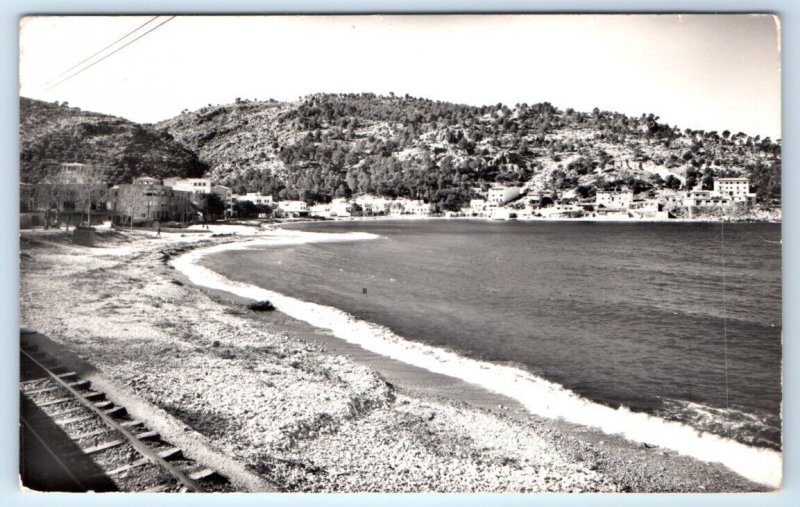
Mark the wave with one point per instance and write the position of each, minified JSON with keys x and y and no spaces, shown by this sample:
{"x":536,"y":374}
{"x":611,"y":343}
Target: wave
{"x":759,"y":429}
{"x":537,"y":395}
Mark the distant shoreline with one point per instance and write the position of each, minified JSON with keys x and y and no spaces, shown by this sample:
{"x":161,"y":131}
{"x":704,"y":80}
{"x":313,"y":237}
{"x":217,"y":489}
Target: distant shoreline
{"x":530,"y":220}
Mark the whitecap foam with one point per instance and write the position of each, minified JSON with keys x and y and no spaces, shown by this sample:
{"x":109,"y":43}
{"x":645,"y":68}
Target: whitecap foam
{"x":538,"y":396}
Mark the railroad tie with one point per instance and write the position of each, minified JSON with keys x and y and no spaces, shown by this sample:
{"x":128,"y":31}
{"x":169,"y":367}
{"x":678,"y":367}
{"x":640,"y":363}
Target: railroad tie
{"x":79,"y":383}
{"x":147,"y":435}
{"x":116,"y":411}
{"x":139,"y":462}
{"x":63,"y":422}
{"x":66,"y":411}
{"x":202,"y":474}
{"x":103,"y":447}
{"x":54,"y":402}
{"x":168,"y":454}
{"x":101,"y":431}
{"x":171,"y":453}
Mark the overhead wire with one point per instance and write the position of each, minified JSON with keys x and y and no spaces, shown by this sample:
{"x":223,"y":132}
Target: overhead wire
{"x":67,"y":78}
{"x":102,"y":50}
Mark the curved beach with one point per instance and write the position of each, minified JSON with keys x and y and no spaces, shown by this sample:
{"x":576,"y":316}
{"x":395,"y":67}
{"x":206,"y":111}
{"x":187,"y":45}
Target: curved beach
{"x":277,"y":394}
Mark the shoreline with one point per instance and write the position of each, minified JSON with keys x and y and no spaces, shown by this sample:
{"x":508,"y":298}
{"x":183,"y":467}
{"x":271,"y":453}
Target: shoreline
{"x":166,"y":342}
{"x":615,"y":220}
{"x":528,"y":391}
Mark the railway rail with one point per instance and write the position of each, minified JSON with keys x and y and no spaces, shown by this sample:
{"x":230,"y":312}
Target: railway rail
{"x":91,"y":443}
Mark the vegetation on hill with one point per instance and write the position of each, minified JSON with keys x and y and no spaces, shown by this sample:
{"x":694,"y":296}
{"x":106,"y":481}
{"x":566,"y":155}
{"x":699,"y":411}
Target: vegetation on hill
{"x":336,"y":145}
{"x":52,"y":133}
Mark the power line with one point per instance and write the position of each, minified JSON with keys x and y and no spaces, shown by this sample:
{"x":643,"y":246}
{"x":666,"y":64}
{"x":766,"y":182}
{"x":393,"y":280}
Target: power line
{"x":112,"y":53}
{"x":105,"y":48}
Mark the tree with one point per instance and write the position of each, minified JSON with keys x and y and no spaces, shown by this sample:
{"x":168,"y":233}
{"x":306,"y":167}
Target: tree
{"x":89,"y":194}
{"x":47,"y":195}
{"x":212,"y":205}
{"x":672,"y":182}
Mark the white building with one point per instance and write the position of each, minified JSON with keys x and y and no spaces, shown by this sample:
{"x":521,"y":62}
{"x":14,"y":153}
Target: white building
{"x":420,"y":208}
{"x":645,"y":205}
{"x":340,"y":207}
{"x":321,"y":210}
{"x":194,"y":185}
{"x":699,"y":197}
{"x":477,"y":208}
{"x":561,"y":211}
{"x":614,"y":199}
{"x":738,"y":189}
{"x":372,"y":204}
{"x":410,"y":207}
{"x":256,"y":198}
{"x":501,"y":194}
{"x":293,"y":208}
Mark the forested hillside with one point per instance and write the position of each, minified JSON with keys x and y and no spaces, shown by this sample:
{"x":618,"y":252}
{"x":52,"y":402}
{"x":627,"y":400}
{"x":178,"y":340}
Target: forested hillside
{"x":331,"y":145}
{"x":336,"y":145}
{"x":51,"y":133}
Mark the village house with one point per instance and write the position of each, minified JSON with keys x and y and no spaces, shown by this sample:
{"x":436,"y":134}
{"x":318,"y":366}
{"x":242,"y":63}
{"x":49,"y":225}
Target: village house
{"x":320,"y":210}
{"x":613,"y":199}
{"x":651,"y":209}
{"x":193,"y":185}
{"x":668,"y":197}
{"x":148,"y":199}
{"x":417,"y":207}
{"x":256,"y":198}
{"x":294,"y":209}
{"x":703,"y":198}
{"x":561,"y":210}
{"x":340,"y":207}
{"x":477,"y":208}
{"x":738,"y":189}
{"x":372,"y":204}
{"x":500,"y":194}
{"x":534,"y":198}
{"x":411,"y":207}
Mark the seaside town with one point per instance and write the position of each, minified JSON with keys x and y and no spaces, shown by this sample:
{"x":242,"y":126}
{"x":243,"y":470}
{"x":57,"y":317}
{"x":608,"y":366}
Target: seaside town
{"x":401,"y":272}
{"x":79,"y":189}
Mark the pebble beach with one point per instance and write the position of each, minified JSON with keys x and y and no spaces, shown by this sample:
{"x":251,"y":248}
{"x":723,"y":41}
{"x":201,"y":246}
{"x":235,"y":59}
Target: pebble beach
{"x":288,"y":404}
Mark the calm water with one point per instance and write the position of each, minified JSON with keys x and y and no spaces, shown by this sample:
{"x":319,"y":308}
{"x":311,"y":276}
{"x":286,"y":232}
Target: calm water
{"x":623,"y":314}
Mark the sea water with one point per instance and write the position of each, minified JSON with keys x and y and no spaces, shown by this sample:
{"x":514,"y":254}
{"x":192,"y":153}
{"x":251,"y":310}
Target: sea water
{"x":677,"y":322}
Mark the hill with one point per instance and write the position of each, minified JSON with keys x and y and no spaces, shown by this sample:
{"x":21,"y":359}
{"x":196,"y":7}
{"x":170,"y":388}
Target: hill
{"x":335,"y":145}
{"x":51,"y":133}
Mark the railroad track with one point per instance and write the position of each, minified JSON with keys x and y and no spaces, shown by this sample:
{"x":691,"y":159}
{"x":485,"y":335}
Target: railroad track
{"x":91,"y":443}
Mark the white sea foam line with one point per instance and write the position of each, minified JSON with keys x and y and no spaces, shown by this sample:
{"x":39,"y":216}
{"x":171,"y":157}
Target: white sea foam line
{"x":539,"y":396}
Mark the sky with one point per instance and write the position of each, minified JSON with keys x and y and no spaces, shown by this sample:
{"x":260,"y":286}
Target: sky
{"x":711,"y":72}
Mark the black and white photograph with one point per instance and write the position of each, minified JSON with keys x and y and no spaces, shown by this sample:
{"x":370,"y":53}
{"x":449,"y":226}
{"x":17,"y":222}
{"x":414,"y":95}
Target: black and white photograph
{"x":400,"y":253}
